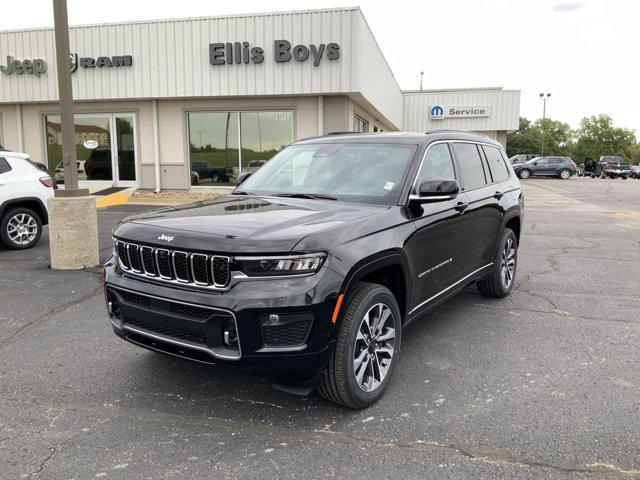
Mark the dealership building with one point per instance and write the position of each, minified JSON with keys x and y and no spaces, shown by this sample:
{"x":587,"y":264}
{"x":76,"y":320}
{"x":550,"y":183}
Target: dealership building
{"x":175,"y":104}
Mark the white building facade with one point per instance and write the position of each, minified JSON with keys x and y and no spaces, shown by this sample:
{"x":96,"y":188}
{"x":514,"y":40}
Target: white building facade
{"x":185,"y":103}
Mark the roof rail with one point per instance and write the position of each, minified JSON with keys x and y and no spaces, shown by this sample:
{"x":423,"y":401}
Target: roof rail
{"x":342,"y":133}
{"x":446,"y":130}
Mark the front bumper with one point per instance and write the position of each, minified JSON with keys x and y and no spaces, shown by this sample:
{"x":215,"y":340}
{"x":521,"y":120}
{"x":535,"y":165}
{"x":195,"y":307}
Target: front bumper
{"x":281,"y":327}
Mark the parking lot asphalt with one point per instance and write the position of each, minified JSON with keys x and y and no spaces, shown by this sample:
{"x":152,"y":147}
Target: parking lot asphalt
{"x":544,"y":383}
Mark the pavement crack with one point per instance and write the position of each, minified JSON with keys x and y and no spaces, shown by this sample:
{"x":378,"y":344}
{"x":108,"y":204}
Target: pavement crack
{"x":53,"y":449}
{"x":494,"y":458}
{"x":484,"y":455}
{"x":53,"y":311}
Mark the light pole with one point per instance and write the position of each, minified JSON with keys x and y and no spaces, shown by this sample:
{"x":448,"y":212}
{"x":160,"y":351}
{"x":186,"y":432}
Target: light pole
{"x":544,"y":98}
{"x":421,"y":75}
{"x":67,"y":125}
{"x":73,"y":222}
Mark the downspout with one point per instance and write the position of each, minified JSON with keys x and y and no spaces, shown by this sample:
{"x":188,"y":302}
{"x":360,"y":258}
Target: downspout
{"x":320,"y":115}
{"x":20,"y":130}
{"x":156,"y":143}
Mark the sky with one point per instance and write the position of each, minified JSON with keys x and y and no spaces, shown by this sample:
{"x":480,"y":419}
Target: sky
{"x":585,"y":53}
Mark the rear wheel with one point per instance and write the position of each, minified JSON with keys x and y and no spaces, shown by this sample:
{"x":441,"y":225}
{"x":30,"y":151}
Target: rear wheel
{"x":20,"y":228}
{"x":524,"y":173}
{"x":500,"y":282}
{"x":564,"y":174}
{"x":365,"y":353}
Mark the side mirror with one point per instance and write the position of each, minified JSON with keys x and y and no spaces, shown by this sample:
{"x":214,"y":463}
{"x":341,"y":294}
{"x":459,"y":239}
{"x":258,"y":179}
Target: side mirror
{"x":435,"y":190}
{"x":242,"y":177}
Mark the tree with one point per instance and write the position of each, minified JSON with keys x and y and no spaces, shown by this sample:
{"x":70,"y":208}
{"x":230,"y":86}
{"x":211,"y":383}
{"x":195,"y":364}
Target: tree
{"x":558,"y":138}
{"x":597,"y":136}
{"x":522,"y":141}
{"x":634,"y":154}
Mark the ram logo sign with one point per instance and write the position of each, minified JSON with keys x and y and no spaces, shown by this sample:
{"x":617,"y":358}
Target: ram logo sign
{"x":438,"y":112}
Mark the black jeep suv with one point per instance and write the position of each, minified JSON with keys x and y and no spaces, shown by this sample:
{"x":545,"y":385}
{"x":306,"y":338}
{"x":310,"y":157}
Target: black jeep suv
{"x":311,"y":269}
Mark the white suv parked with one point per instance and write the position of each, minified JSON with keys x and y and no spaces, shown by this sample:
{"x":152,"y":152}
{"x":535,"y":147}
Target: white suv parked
{"x":24,"y":190}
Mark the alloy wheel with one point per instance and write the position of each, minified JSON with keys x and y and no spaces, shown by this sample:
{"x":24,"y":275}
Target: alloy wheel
{"x":374,"y":347}
{"x":565,"y":174}
{"x":508,"y":263}
{"x":524,"y":174}
{"x":22,"y":229}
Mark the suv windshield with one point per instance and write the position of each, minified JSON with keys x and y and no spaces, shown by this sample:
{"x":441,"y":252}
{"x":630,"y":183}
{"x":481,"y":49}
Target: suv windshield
{"x":356,"y":172}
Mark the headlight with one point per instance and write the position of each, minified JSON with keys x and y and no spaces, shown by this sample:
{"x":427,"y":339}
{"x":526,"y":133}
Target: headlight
{"x":280,"y":265}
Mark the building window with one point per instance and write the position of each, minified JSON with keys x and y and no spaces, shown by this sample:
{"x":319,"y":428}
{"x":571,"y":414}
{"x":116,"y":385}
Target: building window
{"x":224,"y":144}
{"x":360,"y":124}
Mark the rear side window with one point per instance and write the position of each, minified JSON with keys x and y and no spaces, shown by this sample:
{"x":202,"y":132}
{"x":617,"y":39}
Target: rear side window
{"x":498,"y":168}
{"x":470,"y":164}
{"x":437,"y":163}
{"x":4,"y":166}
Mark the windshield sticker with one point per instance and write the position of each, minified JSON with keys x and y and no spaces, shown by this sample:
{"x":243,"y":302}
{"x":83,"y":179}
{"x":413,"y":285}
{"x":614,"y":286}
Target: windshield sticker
{"x":389,"y":185}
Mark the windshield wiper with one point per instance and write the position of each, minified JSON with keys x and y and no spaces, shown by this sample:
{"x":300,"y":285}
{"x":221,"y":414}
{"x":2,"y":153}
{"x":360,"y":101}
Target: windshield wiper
{"x":315,"y":196}
{"x":242,"y":192}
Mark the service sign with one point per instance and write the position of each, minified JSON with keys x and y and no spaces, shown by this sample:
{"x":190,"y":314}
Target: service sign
{"x":438,"y":112}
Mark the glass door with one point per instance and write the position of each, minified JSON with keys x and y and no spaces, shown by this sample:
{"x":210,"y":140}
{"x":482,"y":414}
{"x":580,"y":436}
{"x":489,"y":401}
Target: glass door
{"x":124,"y":151}
{"x":105,"y":148}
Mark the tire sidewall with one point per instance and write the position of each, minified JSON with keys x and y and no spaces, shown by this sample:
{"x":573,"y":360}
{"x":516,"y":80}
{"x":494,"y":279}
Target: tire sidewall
{"x":526,"y":175}
{"x":508,"y":233}
{"x":4,"y":235}
{"x":379,"y":295}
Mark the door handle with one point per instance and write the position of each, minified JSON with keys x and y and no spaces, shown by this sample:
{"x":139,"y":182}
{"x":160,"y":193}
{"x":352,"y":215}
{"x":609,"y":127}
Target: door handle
{"x":461,"y":206}
{"x":498,"y":195}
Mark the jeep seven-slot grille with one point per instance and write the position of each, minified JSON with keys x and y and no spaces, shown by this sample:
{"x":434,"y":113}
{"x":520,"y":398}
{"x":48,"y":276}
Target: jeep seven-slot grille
{"x":198,"y":269}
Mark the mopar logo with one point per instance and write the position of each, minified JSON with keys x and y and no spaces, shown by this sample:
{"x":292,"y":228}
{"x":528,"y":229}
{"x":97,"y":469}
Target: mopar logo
{"x":166,"y":238}
{"x":437,"y":111}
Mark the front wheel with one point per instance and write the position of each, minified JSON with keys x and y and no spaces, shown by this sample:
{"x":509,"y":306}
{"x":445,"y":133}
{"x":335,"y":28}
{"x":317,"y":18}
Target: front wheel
{"x":500,"y":282}
{"x":20,"y":228}
{"x":524,"y":173}
{"x":365,"y":353}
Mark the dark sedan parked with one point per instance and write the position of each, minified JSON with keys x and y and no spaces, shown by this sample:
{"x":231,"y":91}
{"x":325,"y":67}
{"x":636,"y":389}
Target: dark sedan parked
{"x":561,"y":167}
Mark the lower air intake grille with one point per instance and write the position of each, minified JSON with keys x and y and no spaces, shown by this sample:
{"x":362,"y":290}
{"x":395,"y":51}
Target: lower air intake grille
{"x":289,"y":330}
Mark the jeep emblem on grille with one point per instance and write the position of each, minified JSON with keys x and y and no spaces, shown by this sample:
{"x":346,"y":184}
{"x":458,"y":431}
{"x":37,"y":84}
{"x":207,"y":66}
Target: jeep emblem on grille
{"x":167,"y":238}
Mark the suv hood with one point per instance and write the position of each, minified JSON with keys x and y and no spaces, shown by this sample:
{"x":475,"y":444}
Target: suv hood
{"x":238,"y":224}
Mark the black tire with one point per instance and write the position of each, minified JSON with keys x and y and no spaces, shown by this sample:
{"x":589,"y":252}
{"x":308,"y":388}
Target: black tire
{"x":215,"y":178}
{"x":10,"y":214}
{"x":624,"y":177}
{"x":493,"y":285}
{"x":524,"y":173}
{"x":339,"y":384}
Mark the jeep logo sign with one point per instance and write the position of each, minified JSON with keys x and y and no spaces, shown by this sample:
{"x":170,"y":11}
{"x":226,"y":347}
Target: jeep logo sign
{"x":30,"y":67}
{"x":438,"y":112}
